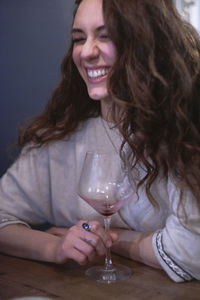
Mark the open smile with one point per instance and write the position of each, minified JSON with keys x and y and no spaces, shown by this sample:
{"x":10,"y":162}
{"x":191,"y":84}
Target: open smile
{"x":96,"y":75}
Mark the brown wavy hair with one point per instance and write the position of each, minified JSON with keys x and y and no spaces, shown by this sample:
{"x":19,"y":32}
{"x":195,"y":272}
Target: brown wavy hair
{"x":155,"y":88}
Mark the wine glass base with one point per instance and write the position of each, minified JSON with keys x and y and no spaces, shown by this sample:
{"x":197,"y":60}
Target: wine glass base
{"x":114,"y":274}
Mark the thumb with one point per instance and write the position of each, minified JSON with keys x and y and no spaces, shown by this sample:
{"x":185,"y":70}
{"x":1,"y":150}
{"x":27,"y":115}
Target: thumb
{"x":114,"y":236}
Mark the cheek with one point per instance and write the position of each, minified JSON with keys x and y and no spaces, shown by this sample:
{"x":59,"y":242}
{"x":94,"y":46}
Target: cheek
{"x":75,"y":57}
{"x":112,"y":52}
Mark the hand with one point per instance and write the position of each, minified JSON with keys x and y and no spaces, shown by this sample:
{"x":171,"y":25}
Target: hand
{"x":81,"y":245}
{"x":58,"y":231}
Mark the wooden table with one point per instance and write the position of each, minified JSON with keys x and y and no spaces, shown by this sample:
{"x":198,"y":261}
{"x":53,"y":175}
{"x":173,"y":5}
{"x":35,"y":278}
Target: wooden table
{"x":21,"y":277}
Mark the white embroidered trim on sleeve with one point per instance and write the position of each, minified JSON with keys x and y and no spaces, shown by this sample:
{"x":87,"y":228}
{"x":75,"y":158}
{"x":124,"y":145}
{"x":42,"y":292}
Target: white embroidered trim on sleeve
{"x":169,"y":261}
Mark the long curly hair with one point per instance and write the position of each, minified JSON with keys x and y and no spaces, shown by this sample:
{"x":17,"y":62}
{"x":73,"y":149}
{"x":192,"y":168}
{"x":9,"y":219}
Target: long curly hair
{"x":155,"y":90}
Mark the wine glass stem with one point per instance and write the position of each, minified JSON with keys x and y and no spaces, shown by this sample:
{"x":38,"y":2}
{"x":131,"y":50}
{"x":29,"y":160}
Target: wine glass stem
{"x":108,"y":259}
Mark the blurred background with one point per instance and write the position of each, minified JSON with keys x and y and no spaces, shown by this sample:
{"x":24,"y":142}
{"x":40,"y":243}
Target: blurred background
{"x":190,"y":10}
{"x":34,"y":36}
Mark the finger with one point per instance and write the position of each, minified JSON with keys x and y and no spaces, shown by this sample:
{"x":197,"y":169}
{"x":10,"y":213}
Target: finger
{"x":93,"y":225}
{"x":86,"y":247}
{"x":95,"y":240}
{"x":99,"y":230}
{"x":72,"y":247}
{"x":78,"y":256}
{"x":102,"y":239}
{"x":114,"y":236}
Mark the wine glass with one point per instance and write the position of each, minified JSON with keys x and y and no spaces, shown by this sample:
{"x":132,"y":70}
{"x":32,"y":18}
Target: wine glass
{"x":104,"y":185}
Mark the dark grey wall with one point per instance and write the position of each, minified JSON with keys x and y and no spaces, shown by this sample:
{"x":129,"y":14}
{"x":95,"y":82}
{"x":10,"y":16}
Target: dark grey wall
{"x":34,"y":36}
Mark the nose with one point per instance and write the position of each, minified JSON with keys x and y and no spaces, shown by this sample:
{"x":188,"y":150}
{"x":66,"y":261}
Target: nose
{"x":90,"y":50}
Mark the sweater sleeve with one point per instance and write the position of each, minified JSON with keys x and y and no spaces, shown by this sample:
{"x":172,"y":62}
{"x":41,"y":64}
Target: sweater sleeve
{"x":25,"y":190}
{"x":177,"y":245}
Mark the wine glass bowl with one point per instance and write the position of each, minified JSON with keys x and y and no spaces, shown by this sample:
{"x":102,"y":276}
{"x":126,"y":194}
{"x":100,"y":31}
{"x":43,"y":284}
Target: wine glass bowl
{"x":106,"y":197}
{"x":105,"y":186}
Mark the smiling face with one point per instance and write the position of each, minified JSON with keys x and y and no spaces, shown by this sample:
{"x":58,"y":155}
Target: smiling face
{"x":93,"y":51}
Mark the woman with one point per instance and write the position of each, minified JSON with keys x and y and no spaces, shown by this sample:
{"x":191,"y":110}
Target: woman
{"x":130,"y":82}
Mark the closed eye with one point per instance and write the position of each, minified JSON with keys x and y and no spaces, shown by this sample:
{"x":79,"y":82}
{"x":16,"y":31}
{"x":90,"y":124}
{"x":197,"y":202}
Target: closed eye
{"x":104,"y":36}
{"x":78,"y":40}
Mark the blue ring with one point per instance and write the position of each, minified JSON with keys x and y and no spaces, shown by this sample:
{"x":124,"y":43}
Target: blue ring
{"x":86,"y":226}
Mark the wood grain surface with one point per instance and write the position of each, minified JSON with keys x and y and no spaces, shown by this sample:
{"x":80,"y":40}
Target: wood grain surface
{"x":21,"y":277}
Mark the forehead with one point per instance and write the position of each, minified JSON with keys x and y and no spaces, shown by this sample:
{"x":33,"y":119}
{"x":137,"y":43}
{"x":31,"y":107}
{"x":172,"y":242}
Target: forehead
{"x":89,"y":13}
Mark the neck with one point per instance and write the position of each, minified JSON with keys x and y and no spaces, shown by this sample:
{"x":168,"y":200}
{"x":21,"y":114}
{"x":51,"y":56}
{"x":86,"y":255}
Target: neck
{"x":106,"y":110}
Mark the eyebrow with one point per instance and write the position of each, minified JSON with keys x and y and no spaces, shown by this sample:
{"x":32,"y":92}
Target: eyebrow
{"x":79,"y":30}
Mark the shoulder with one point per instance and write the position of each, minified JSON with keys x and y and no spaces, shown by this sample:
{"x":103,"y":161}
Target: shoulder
{"x":85,"y":128}
{"x":83,"y":135}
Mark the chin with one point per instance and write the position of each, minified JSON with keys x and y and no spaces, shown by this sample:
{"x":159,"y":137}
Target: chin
{"x":98,"y":94}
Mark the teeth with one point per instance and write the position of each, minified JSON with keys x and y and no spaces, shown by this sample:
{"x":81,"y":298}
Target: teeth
{"x":97,"y":73}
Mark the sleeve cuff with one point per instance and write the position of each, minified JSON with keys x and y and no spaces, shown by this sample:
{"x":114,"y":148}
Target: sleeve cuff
{"x":174,"y":271}
{"x":4,"y":222}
